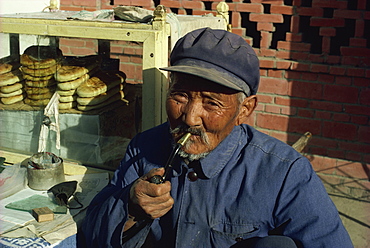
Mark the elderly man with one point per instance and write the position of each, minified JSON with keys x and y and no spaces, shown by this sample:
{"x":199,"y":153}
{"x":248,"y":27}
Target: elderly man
{"x":230,"y":185}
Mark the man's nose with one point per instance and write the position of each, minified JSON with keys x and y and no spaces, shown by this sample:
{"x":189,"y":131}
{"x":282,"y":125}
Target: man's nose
{"x":192,"y":114}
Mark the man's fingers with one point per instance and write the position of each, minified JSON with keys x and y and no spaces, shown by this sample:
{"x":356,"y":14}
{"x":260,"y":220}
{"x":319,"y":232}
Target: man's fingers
{"x":153,"y":172}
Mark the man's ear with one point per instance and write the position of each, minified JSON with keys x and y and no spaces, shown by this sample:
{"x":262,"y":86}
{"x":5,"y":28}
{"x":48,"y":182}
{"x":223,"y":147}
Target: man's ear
{"x":247,"y":107}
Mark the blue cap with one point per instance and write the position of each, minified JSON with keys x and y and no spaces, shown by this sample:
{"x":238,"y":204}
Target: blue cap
{"x":219,"y":56}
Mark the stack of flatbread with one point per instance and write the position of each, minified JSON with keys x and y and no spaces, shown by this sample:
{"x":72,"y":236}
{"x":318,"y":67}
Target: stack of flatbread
{"x":11,"y":84}
{"x":101,"y":90}
{"x":39,"y":64}
{"x":71,"y":76}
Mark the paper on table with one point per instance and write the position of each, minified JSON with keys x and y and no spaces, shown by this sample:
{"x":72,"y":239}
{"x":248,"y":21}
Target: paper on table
{"x":89,"y":185}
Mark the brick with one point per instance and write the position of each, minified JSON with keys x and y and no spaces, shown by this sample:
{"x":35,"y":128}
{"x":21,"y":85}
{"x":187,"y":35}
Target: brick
{"x":338,"y":130}
{"x":192,"y":4}
{"x":265,"y":98}
{"x":324,"y":142}
{"x":326,"y":22}
{"x":354,"y":51}
{"x":309,"y":76}
{"x":325,"y":44}
{"x":319,"y":68}
{"x":353,"y":156}
{"x":296,"y":102}
{"x":294,"y":24}
{"x":299,"y":56}
{"x":283,"y":54}
{"x":357,"y":42}
{"x":272,"y":109}
{"x":273,"y":85}
{"x":288,"y":110}
{"x":350,"y":60}
{"x":294,"y":46}
{"x":356,"y":72}
{"x":357,"y":109}
{"x":277,"y":2}
{"x":365,"y":96}
{"x":323,"y":164}
{"x":265,"y":52}
{"x":339,"y":117}
{"x":274,"y":18}
{"x":338,"y":93}
{"x":316,"y":58}
{"x":249,"y":7}
{"x":336,"y":70}
{"x":293,"y":75}
{"x":323,"y":115}
{"x":266,"y":38}
{"x":298,"y":66}
{"x":354,"y":146}
{"x":264,"y":26}
{"x":333,"y":59}
{"x":236,"y":19}
{"x":327,"y":31}
{"x":306,"y":90}
{"x":359,"y":29}
{"x":327,"y":106}
{"x":348,"y":14}
{"x":271,"y":121}
{"x":86,"y":3}
{"x":364,"y":136}
{"x":282,"y":9}
{"x":326,"y":78}
{"x":282,"y":64}
{"x":267,"y":63}
{"x":82,"y":51}
{"x":275,"y":73}
{"x":343,"y":80}
{"x":308,"y":11}
{"x":329,"y":4}
{"x":307,"y":113}
{"x":302,"y":125}
{"x":293,"y":37}
{"x":72,"y":42}
{"x":360,"y":120}
{"x":170,"y":3}
{"x":352,"y":170}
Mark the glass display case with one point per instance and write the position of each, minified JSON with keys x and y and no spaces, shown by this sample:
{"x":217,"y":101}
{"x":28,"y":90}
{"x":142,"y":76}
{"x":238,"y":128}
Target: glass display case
{"x":97,"y":137}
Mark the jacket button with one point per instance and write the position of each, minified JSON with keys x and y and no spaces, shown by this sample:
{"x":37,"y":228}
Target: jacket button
{"x":239,"y":239}
{"x":192,"y":176}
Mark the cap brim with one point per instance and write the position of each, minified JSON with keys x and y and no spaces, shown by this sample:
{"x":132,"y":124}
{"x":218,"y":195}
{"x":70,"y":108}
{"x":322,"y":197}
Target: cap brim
{"x":211,"y":74}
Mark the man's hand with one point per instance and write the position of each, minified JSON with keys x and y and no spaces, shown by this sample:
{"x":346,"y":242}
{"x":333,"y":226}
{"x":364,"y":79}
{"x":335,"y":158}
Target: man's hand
{"x":149,"y":199}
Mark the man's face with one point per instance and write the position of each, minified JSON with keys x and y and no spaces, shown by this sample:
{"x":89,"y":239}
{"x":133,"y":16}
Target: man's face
{"x":208,"y":110}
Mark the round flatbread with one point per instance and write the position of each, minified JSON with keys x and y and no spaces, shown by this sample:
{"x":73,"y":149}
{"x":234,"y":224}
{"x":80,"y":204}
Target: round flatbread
{"x":70,"y":72}
{"x":72,"y":85}
{"x":46,"y":95}
{"x":10,"y":78}
{"x":12,"y":99}
{"x":40,"y":72}
{"x":39,"y":90}
{"x":100,"y":83}
{"x":30,"y":62}
{"x":15,"y":93}
{"x":11,"y":88}
{"x":32,"y":78}
{"x":8,"y":67}
{"x":67,"y":98}
{"x":92,"y":87}
{"x":100,"y":98}
{"x":67,"y":105}
{"x":65,"y":92}
{"x":36,"y":103}
{"x":41,"y":84}
{"x":114,"y":98}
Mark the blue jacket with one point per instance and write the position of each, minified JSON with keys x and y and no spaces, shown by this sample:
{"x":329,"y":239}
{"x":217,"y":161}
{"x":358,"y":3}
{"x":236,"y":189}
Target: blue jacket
{"x":251,"y":185}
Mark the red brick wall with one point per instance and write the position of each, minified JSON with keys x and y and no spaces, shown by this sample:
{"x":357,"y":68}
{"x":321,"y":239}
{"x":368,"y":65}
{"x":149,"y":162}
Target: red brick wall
{"x":315,"y":69}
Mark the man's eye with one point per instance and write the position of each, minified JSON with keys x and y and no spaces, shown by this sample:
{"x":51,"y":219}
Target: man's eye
{"x":212,"y":104}
{"x":178,"y":96}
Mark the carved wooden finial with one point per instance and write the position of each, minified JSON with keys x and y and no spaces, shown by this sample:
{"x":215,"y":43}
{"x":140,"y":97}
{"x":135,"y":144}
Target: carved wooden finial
{"x":160,"y":13}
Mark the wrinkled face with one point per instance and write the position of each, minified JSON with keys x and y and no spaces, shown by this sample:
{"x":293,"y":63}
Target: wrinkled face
{"x":208,"y":110}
